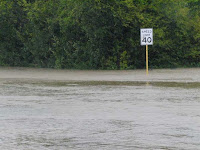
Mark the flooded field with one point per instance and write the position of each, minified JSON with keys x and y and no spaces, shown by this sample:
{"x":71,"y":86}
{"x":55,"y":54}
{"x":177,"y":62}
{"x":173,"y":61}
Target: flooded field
{"x":99,"y":110}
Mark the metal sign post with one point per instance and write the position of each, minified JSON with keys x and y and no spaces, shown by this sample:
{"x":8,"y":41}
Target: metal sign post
{"x":147,"y":65}
{"x":146,"y":38}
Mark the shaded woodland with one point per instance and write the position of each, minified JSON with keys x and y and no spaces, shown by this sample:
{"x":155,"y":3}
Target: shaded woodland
{"x":99,"y":34}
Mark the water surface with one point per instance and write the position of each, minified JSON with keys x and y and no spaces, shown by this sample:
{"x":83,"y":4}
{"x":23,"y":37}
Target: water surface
{"x":43,"y":114}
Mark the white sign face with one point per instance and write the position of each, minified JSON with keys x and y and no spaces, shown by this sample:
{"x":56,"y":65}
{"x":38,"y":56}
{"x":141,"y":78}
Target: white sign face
{"x":146,"y":36}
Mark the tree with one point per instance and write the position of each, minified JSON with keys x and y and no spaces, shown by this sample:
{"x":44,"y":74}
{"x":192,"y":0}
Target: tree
{"x":12,"y":22}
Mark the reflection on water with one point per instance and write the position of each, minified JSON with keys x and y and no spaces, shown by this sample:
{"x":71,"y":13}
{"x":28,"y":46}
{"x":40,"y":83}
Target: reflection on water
{"x":99,"y":115}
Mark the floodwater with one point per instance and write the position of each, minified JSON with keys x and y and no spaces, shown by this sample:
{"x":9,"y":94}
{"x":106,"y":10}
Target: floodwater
{"x":115,"y":110}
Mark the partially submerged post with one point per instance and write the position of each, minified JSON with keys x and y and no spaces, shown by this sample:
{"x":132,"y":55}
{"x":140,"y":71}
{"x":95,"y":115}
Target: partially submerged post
{"x":146,"y":38}
{"x":147,"y":64}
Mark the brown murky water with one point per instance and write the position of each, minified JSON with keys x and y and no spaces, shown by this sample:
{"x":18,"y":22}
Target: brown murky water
{"x":60,"y":109}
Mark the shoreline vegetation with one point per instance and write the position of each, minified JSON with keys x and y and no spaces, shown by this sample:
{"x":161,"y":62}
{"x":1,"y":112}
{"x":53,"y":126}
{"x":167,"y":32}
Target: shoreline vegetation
{"x":99,"y":34}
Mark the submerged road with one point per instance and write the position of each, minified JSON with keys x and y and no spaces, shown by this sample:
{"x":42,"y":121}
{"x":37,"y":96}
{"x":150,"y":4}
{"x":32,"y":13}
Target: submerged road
{"x":166,"y":75}
{"x":111,"y":110}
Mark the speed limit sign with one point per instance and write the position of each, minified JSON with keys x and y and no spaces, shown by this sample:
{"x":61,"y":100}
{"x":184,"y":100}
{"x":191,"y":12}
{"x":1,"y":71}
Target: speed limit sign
{"x":146,"y":36}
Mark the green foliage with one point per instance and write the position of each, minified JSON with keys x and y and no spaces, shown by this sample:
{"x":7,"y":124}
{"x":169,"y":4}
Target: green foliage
{"x":12,"y":22}
{"x":98,"y":34}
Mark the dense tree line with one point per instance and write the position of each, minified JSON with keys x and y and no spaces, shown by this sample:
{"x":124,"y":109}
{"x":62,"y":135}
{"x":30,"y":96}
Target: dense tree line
{"x":98,"y":34}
